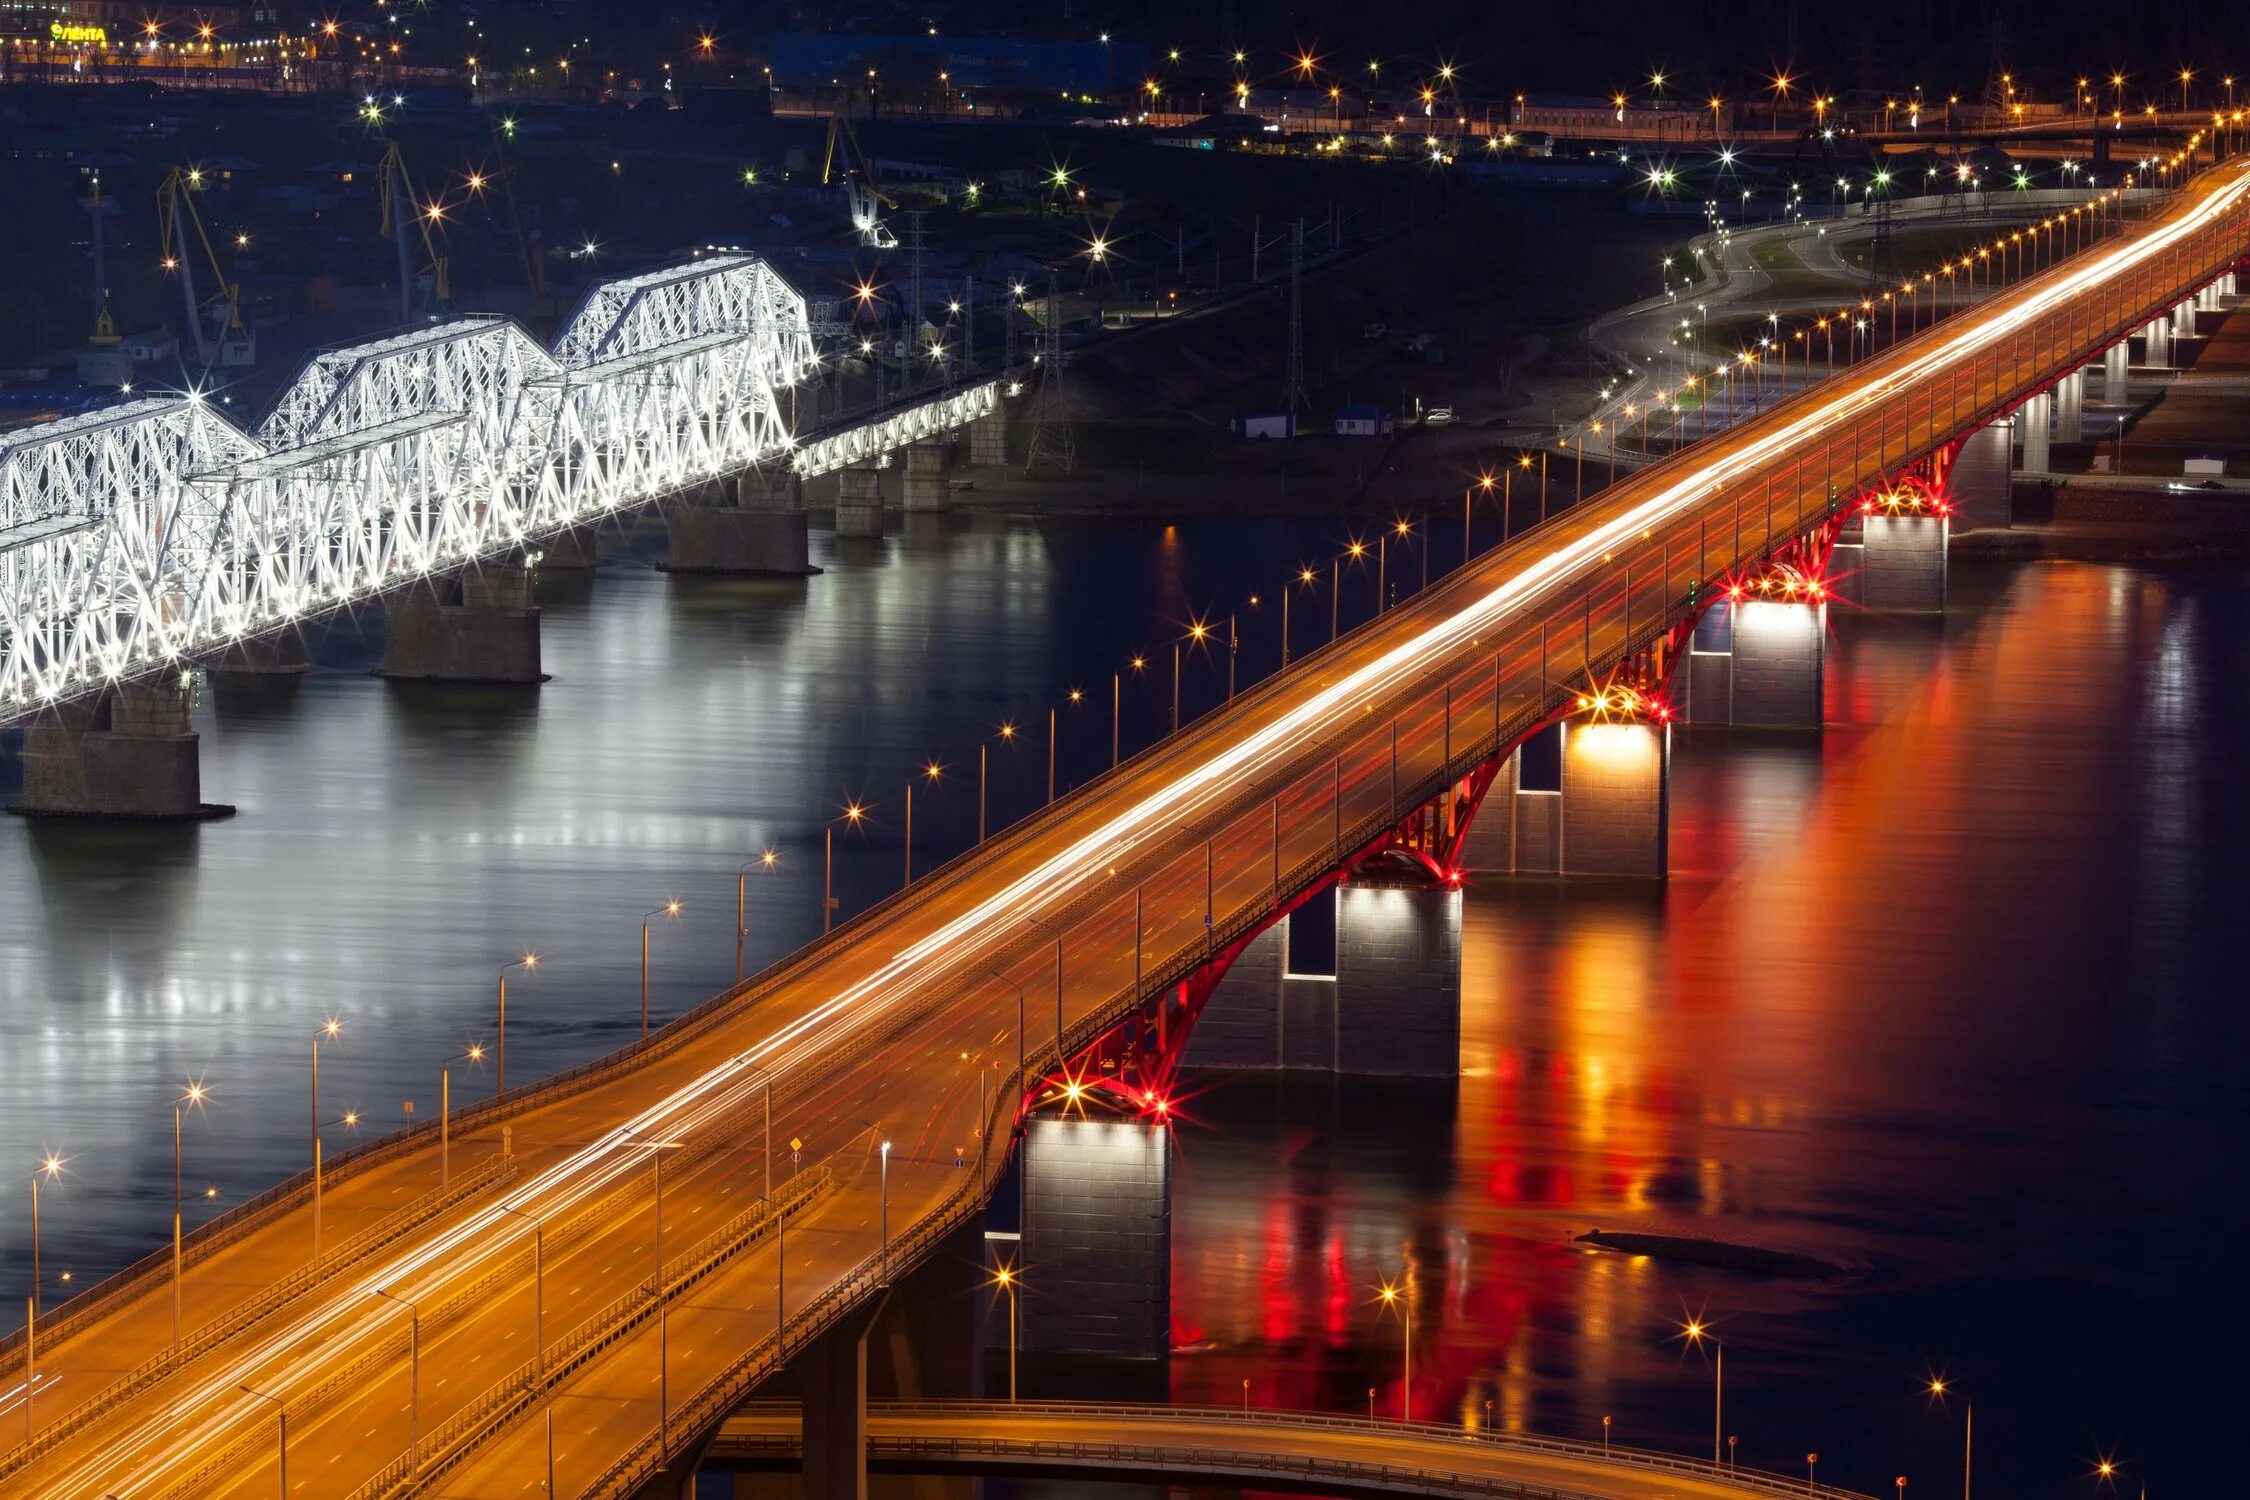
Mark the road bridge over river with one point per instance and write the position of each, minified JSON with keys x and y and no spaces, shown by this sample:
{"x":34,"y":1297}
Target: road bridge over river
{"x":594,"y":1273}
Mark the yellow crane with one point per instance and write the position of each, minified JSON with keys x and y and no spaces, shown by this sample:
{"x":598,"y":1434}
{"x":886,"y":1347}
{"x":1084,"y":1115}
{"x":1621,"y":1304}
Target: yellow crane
{"x":401,"y":206}
{"x":175,"y":215}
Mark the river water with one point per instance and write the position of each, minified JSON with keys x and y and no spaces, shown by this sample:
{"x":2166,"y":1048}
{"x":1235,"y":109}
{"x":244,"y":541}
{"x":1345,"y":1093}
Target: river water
{"x":1946,"y":995}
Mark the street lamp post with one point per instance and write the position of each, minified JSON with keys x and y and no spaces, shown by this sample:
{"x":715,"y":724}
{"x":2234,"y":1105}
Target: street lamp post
{"x":1389,"y":1292}
{"x":192,"y":1098}
{"x":886,"y":1213}
{"x":764,"y":861}
{"x":1005,"y":1276}
{"x":50,"y":1167}
{"x":668,"y":909}
{"x":656,"y":1150}
{"x":1696,"y":1333}
{"x":527,"y":963}
{"x":413,"y":1378}
{"x":1938,"y":1388}
{"x":330,"y":1029}
{"x":283,"y":1411}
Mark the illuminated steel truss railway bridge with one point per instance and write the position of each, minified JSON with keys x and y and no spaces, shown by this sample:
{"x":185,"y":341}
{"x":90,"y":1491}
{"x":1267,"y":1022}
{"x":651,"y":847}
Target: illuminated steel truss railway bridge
{"x":798,"y":1143}
{"x":150,"y":533}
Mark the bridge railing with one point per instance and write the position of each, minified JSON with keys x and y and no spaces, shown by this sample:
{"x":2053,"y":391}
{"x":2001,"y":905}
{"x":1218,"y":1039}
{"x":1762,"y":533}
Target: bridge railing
{"x":1120,"y":1418}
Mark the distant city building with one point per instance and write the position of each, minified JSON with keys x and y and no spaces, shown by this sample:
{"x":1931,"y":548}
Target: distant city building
{"x":117,"y":22}
{"x":825,"y":59}
{"x":1582,"y":117}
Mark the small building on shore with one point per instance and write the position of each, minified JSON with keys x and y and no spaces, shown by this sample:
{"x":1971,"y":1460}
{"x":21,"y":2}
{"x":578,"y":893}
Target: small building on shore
{"x":1362,"y":420}
{"x":1265,"y":424}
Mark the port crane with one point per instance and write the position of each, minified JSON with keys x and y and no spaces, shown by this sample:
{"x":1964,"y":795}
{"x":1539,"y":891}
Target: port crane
{"x":225,"y":342}
{"x":862,"y":196}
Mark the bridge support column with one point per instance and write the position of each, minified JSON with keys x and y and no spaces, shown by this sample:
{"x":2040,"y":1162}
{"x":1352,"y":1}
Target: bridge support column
{"x":988,"y":439}
{"x":2115,"y":361}
{"x":1757,"y":664}
{"x":2226,"y":285}
{"x":2207,"y":299}
{"x":831,"y":1379}
{"x":1902,"y":564}
{"x":131,"y":753}
{"x":570,"y":549}
{"x":859,"y":502}
{"x":281,"y":654}
{"x":2183,"y":320}
{"x":2031,"y":430}
{"x":1579,"y":799}
{"x":1360,"y":979}
{"x":2070,"y":406}
{"x":2158,"y":336}
{"x":929,"y":475}
{"x":481,"y":626}
{"x":1097,"y":1223}
{"x":760,"y":528}
{"x":1977,"y":481}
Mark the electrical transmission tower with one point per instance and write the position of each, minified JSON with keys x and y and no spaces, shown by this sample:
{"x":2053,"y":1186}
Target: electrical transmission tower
{"x":1999,"y":85}
{"x":917,"y":351}
{"x":1293,"y":397}
{"x":1053,"y":449}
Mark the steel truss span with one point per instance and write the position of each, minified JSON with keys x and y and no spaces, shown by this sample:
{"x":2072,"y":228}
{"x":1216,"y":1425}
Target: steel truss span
{"x":896,"y":1050}
{"x":871,"y":442}
{"x":149,"y":533}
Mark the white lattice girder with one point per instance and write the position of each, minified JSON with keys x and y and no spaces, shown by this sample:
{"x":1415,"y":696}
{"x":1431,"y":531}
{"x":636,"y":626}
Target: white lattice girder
{"x":722,"y":294}
{"x":154,"y":531}
{"x":468,"y":365}
{"x":873,"y":441}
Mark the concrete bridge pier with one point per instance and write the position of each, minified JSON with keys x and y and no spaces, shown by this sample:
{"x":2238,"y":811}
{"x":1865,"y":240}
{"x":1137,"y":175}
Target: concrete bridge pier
{"x":280,"y":654}
{"x":1579,"y":799}
{"x":859,"y":501}
{"x":2070,"y":407}
{"x":2032,"y":420}
{"x":481,"y":625}
{"x":1097,"y":1238}
{"x":568,"y":550}
{"x":131,"y":752}
{"x":2158,"y":338}
{"x":988,"y":439}
{"x":1902,"y":564}
{"x":1361,"y":979}
{"x":929,"y":476}
{"x":1978,"y":482}
{"x":1757,"y":664}
{"x":916,"y":1339}
{"x":750,"y":525}
{"x":2116,"y":360}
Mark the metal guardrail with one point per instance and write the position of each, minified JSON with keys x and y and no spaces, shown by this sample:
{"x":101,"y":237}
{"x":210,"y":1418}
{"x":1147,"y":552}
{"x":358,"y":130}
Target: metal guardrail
{"x":454,"y":1440}
{"x":243,"y":1316}
{"x":1121,"y":1416}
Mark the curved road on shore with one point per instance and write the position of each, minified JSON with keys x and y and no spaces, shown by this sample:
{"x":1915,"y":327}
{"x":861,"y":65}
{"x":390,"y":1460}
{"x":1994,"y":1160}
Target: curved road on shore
{"x":1184,"y":1445}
